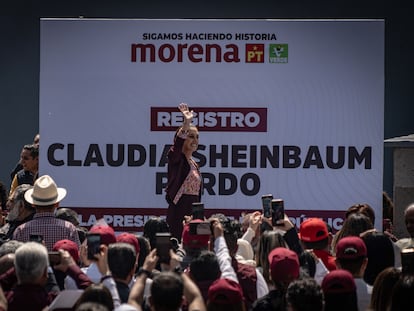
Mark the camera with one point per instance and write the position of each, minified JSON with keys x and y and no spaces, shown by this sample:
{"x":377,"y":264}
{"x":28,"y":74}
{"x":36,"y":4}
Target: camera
{"x":278,"y":212}
{"x":93,"y":241}
{"x":266,"y":205}
{"x":200,"y":228}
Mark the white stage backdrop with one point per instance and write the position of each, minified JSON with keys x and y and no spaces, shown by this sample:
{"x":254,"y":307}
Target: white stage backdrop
{"x":288,"y":107}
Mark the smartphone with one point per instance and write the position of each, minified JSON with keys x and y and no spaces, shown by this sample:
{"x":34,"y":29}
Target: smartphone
{"x":266,"y":205}
{"x":200,"y":228}
{"x":198,"y":210}
{"x":163,"y":246}
{"x":54,"y":258}
{"x":407,"y":260}
{"x":93,"y":241}
{"x":36,"y":238}
{"x":278,"y":212}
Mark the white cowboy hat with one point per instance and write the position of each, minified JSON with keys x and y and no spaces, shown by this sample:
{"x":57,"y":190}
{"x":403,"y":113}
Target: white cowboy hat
{"x":44,"y":192}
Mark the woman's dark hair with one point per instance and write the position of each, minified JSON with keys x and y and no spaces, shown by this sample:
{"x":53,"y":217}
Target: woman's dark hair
{"x":153,"y":226}
{"x":98,"y":293}
{"x":144,"y":250}
{"x":380,"y":253}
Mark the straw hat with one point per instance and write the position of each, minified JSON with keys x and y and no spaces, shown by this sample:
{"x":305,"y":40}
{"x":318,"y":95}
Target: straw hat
{"x":44,"y":192}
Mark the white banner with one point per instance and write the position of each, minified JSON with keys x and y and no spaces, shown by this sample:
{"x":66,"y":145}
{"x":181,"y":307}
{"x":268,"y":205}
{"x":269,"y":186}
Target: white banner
{"x":288,"y":107}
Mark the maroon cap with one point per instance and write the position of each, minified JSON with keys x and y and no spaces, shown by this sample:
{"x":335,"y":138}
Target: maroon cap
{"x":351,"y":247}
{"x":284,"y":264}
{"x":194,"y":240}
{"x":338,"y":281}
{"x":129,"y":238}
{"x":69,"y":246}
{"x":106,"y":232}
{"x":313,"y":230}
{"x":225,"y":291}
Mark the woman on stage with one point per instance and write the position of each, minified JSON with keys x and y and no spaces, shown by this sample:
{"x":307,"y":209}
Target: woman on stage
{"x":184,"y":177}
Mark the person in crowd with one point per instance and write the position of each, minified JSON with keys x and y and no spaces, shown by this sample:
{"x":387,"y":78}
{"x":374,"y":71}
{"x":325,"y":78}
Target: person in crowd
{"x":29,"y":159}
{"x":153,"y":226}
{"x":340,"y":293}
{"x":284,"y":268}
{"x":33,"y":291}
{"x":97,"y":293}
{"x":249,"y":277}
{"x":250,"y":226}
{"x":45,"y":197}
{"x":193,"y":243}
{"x":184,"y":178}
{"x":268,"y":241}
{"x":18,"y":167}
{"x":168,"y":290}
{"x":224,"y":293}
{"x":204,"y":270}
{"x":408,"y":242}
{"x":144,"y":250}
{"x":122,"y":261}
{"x":64,"y":281}
{"x":9,"y":247}
{"x":91,"y":267}
{"x":380,"y":253}
{"x":70,"y":215}
{"x":93,"y":306}
{"x":351,"y":255}
{"x":20,"y":211}
{"x":388,"y":216}
{"x":354,"y":225}
{"x":382,"y":289}
{"x":362,"y":208}
{"x":314,"y":235}
{"x":402,"y":293}
{"x":304,"y":294}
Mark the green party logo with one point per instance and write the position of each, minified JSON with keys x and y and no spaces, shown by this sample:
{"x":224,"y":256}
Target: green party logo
{"x":278,"y":53}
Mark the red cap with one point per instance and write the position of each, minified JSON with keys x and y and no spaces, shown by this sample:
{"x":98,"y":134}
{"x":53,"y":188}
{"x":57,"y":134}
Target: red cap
{"x":225,"y":291}
{"x":351,"y":247}
{"x":194,"y":240}
{"x":106,"y":232}
{"x":338,"y":281}
{"x":69,"y":246}
{"x":284,"y":264}
{"x":313,"y":230}
{"x":129,"y":238}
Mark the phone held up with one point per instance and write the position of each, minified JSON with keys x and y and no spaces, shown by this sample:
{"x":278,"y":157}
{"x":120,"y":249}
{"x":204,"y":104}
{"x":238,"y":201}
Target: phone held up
{"x":198,"y":210}
{"x":54,"y":258}
{"x":266,"y":205}
{"x":93,"y":241}
{"x":278,"y":212}
{"x":407,"y":260}
{"x":163,"y":246}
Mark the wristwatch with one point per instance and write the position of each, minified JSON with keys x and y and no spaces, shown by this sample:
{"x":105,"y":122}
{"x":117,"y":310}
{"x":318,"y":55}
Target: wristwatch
{"x":146,"y":272}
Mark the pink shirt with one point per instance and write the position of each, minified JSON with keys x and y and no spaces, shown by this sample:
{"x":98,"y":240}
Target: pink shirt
{"x":192,"y":182}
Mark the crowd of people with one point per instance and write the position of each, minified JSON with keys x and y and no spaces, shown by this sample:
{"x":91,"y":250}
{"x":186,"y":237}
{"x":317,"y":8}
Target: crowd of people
{"x":49,"y":262}
{"x":45,"y":262}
